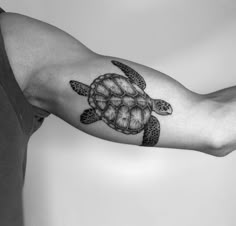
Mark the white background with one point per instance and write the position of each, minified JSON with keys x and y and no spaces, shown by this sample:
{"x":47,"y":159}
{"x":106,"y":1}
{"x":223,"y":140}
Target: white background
{"x":74,"y":179}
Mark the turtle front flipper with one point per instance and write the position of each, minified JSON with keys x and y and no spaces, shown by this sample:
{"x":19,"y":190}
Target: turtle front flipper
{"x":133,"y":76}
{"x":79,"y":88}
{"x":151,"y":132}
{"x":89,"y":116}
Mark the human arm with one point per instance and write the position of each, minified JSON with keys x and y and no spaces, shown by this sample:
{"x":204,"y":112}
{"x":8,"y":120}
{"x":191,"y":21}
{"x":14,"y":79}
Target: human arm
{"x":204,"y":123}
{"x":198,"y":122}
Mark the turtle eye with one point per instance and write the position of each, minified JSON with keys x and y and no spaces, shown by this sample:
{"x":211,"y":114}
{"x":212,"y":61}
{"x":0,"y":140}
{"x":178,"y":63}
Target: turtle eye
{"x":168,"y":109}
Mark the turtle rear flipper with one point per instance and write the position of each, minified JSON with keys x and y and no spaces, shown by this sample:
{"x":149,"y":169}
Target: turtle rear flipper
{"x":89,"y":116}
{"x":151,"y":132}
{"x":133,"y":76}
{"x":80,"y":88}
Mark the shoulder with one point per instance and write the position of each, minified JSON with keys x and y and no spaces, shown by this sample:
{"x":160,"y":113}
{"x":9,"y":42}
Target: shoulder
{"x":33,"y":46}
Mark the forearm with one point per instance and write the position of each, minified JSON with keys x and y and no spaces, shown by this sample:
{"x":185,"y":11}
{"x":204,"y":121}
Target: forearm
{"x":190,"y":126}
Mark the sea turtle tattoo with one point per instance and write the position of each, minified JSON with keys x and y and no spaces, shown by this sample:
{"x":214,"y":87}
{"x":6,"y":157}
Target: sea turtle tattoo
{"x":122,"y":104}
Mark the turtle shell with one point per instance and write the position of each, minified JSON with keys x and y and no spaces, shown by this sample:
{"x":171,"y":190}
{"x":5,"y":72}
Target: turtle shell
{"x":121,"y":104}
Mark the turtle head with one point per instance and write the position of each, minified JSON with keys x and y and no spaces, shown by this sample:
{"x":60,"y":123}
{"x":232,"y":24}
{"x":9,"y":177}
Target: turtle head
{"x":161,"y":107}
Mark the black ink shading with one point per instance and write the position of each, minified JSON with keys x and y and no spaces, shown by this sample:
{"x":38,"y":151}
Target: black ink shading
{"x":80,"y":88}
{"x":122,"y":104}
{"x":89,"y":116}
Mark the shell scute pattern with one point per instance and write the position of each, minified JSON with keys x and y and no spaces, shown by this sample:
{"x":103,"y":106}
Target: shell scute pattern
{"x":128,"y":101}
{"x":110,"y":113}
{"x":146,"y":115}
{"x":116,"y":101}
{"x":140,"y":91}
{"x":101,"y":89}
{"x":122,"y":119}
{"x":136,"y":121}
{"x":110,"y":84}
{"x":119,"y":103}
{"x":125,"y":85}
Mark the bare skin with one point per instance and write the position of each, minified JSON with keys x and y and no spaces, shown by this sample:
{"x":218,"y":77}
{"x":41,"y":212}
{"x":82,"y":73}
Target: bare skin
{"x":45,"y":59}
